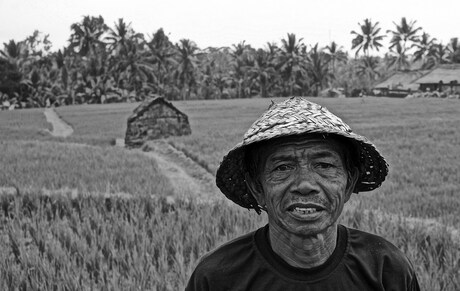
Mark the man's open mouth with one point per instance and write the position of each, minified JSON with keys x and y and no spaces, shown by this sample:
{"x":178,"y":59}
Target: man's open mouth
{"x":305,"y":208}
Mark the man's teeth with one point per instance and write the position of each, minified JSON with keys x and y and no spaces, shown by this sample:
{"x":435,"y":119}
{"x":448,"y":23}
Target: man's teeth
{"x":305,"y":210}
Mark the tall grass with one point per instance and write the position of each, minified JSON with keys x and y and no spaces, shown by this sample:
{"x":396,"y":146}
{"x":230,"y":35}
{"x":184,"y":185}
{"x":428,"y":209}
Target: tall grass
{"x":60,"y":243}
{"x":50,"y":165}
{"x":24,"y":125}
{"x":93,"y":243}
{"x":56,"y":243}
{"x":97,"y":124}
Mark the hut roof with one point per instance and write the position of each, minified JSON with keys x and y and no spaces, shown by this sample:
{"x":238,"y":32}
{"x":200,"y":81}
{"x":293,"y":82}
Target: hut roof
{"x":147,"y":103}
{"x":402,"y":80}
{"x":444,"y":73}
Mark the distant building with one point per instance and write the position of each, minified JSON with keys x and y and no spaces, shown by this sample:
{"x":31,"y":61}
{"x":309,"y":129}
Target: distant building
{"x":400,"y":84}
{"x":155,"y":118}
{"x":442,"y":78}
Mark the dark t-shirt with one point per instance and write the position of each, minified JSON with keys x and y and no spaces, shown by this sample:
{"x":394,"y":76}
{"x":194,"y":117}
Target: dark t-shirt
{"x":360,"y":261}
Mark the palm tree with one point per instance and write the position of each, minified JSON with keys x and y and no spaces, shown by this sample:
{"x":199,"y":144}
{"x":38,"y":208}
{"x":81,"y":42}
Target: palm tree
{"x":453,"y":50}
{"x":120,"y":36}
{"x":161,"y":53}
{"x":86,"y":36}
{"x":424,"y":47}
{"x":291,"y":63}
{"x":206,"y":84}
{"x":276,"y":83}
{"x":215,"y":75}
{"x":398,"y":59}
{"x":240,"y":49}
{"x":39,"y":46}
{"x":241,"y":56}
{"x":18,"y":66}
{"x":262,"y":71}
{"x":61,"y":60}
{"x":335,"y":55}
{"x":272,"y":49}
{"x":440,"y":53}
{"x":136,"y":71}
{"x":187,"y":62}
{"x":368,"y":38}
{"x":11,"y":72}
{"x":405,"y":32}
{"x":368,"y":67}
{"x":318,"y":69}
{"x":128,"y":66}
{"x":14,"y":51}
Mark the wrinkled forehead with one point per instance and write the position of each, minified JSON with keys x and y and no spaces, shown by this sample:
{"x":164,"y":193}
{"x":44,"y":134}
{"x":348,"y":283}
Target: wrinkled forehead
{"x":308,"y":144}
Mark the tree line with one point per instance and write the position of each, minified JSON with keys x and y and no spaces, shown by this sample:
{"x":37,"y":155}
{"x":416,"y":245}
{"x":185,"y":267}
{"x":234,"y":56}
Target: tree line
{"x":104,"y":64}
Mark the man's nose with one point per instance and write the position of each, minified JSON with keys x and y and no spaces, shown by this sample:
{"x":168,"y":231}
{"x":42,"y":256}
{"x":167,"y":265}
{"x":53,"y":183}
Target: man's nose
{"x":305,"y":182}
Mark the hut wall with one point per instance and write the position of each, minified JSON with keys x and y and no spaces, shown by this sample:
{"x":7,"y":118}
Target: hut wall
{"x":159,"y":121}
{"x":446,"y":87}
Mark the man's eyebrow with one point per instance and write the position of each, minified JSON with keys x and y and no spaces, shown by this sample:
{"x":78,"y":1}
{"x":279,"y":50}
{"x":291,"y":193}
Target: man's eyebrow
{"x":324,"y":154}
{"x":281,"y":157}
{"x":315,"y":155}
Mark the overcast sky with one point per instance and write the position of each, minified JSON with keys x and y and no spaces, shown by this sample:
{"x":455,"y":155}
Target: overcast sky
{"x":223,"y":23}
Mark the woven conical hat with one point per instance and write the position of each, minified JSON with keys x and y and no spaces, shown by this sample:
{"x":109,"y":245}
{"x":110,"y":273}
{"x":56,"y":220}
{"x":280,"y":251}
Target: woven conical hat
{"x":296,"y":116}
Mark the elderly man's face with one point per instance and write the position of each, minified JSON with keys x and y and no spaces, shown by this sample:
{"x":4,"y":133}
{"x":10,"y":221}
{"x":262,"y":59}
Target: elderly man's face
{"x":303,"y":183}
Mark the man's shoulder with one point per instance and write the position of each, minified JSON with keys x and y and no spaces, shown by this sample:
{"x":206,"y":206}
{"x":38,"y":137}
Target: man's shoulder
{"x":372,"y":254}
{"x":369,"y":240}
{"x":376,"y":248}
{"x":228,"y":254}
{"x":231,"y":264}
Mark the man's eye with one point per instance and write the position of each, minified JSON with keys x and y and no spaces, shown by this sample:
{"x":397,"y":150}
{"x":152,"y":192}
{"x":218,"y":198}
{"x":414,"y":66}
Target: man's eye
{"x":325,"y":165}
{"x":282,"y":168}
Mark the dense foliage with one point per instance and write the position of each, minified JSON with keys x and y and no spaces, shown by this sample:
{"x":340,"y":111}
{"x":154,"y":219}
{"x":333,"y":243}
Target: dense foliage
{"x":115,"y":64}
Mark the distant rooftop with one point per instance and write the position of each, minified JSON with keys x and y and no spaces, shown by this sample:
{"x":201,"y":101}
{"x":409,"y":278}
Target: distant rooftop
{"x":444,"y":73}
{"x":402,"y":80}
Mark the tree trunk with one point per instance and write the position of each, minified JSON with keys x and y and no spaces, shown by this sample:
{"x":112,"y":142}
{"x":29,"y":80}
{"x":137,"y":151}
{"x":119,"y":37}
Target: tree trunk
{"x":291,"y":86}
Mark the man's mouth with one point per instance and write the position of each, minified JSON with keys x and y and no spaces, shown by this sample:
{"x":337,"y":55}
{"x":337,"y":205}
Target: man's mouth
{"x":305,"y":208}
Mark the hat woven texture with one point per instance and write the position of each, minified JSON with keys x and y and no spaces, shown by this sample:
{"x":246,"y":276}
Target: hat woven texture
{"x":295,"y":116}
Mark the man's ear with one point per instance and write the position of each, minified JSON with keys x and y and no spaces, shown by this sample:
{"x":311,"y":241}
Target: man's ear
{"x":256,"y":190}
{"x":351,"y":183}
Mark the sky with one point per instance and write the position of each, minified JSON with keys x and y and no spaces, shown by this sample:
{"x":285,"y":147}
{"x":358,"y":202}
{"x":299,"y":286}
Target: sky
{"x":225,"y":23}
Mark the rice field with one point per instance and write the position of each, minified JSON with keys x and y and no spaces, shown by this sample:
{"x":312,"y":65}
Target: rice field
{"x":82,"y":236}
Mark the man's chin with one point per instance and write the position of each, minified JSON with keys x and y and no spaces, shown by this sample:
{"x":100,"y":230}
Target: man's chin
{"x":308,"y":227}
{"x":307,"y":217}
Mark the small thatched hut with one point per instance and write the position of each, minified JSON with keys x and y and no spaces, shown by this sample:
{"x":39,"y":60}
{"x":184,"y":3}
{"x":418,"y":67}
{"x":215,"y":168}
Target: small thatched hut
{"x":155,"y":118}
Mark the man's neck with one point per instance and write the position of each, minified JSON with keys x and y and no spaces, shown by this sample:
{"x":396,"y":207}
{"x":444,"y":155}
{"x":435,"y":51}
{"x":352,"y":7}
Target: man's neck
{"x":303,"y":252}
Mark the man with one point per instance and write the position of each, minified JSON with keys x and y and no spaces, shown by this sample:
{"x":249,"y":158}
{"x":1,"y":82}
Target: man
{"x":300,"y":164}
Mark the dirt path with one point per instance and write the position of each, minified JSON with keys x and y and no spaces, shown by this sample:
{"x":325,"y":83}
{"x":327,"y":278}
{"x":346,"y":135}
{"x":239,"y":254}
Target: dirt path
{"x":60,"y":127}
{"x":188,"y":178}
